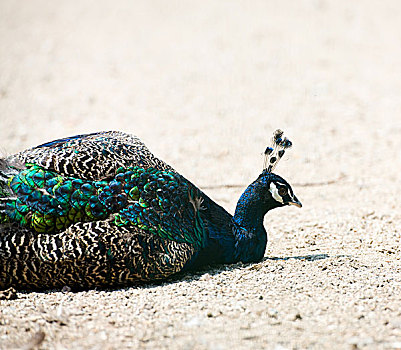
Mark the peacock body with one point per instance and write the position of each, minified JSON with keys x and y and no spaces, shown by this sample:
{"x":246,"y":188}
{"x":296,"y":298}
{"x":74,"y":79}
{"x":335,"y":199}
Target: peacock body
{"x":101,"y":210}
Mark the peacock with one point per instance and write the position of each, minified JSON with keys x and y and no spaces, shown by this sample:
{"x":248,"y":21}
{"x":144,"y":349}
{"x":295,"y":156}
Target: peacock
{"x":100,"y":210}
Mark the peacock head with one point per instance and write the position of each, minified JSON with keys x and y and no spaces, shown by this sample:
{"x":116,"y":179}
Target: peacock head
{"x":269,"y":190}
{"x":278,"y":191}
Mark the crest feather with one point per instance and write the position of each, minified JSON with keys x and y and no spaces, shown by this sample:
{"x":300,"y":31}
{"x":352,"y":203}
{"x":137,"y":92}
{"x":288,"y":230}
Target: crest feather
{"x":275,"y":153}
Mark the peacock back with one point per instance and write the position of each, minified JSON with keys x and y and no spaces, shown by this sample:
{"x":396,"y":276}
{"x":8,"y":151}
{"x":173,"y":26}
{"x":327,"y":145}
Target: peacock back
{"x":96,"y":209}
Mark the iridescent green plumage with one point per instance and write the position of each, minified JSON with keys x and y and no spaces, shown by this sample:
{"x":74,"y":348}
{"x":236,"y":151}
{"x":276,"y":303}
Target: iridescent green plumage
{"x":48,"y":202}
{"x":160,"y":202}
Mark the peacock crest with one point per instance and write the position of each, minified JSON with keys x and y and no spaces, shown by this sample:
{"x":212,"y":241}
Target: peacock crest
{"x":274,"y":153}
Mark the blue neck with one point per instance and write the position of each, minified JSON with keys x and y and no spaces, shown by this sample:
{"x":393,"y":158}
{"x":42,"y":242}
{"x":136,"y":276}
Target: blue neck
{"x":250,"y":211}
{"x":249,"y":232}
{"x":239,"y":238}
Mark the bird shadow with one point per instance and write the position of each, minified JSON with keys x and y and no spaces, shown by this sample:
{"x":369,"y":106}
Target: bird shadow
{"x":213,"y":270}
{"x":310,"y":257}
{"x":198,"y":274}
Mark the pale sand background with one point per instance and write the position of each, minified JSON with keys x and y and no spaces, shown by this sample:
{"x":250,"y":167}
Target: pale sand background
{"x":204,"y":83}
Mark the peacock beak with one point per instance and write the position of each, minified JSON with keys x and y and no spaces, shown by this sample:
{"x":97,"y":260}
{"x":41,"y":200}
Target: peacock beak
{"x":296,"y":202}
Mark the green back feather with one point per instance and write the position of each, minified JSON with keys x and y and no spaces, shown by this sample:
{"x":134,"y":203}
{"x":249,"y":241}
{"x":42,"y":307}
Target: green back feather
{"x":160,"y":202}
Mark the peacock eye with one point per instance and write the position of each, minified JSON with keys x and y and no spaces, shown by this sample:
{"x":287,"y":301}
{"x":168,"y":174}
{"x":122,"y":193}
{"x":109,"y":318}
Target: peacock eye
{"x":282,"y":191}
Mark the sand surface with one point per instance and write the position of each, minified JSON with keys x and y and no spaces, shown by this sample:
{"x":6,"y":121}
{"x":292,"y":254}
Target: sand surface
{"x":204,"y":84}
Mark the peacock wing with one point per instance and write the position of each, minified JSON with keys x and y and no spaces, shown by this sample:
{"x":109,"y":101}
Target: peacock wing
{"x":94,"y":156}
{"x":87,"y":255}
{"x":46,"y":201}
{"x":162,"y":203}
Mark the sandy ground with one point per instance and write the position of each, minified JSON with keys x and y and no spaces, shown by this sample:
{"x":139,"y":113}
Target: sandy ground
{"x":204,"y":83}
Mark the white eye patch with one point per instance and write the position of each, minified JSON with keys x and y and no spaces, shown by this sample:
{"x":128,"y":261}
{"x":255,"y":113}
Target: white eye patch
{"x":274,"y":191}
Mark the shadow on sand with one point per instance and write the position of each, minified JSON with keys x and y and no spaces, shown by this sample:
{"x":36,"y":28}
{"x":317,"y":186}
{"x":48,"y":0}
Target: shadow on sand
{"x":214,"y":270}
{"x":310,"y":257}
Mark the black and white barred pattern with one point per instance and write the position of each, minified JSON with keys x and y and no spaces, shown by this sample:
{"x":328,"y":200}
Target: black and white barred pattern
{"x":93,"y":156}
{"x":86,"y":255}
